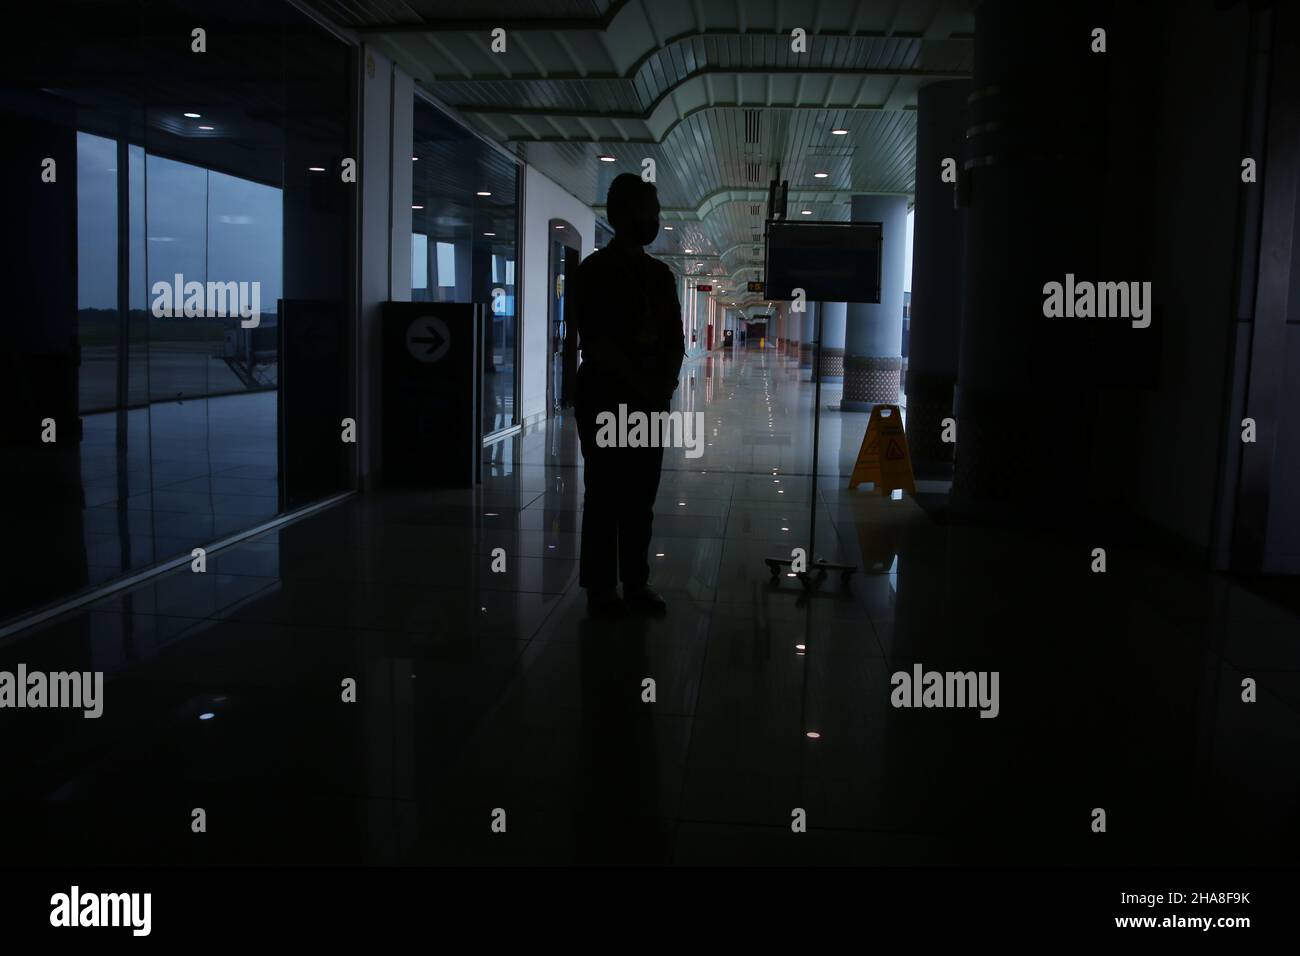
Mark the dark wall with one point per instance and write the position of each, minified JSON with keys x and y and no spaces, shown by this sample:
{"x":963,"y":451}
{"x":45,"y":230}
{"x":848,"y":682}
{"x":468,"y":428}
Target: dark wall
{"x":1115,"y":166}
{"x":1175,"y":164}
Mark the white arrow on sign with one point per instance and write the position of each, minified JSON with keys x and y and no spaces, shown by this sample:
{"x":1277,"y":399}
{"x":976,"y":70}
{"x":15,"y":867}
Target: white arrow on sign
{"x":428,"y":339}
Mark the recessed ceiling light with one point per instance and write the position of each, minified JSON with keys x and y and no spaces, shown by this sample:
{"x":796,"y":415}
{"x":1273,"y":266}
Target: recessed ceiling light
{"x":668,"y":228}
{"x":415,"y":159}
{"x":607,"y":159}
{"x":207,"y":127}
{"x":489,"y":233}
{"x":688,"y":252}
{"x":820,"y":175}
{"x":806,"y":212}
{"x":414,"y":206}
{"x":559,"y":227}
{"x":839,"y":132}
{"x":315,"y":169}
{"x":482,"y":192}
{"x":191,"y":115}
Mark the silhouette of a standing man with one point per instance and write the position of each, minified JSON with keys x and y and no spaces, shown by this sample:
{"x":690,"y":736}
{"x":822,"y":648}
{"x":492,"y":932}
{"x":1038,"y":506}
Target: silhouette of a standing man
{"x":630,"y":332}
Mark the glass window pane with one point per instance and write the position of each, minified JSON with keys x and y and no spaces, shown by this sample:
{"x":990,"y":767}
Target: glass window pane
{"x":245,"y":247}
{"x":419,"y":261}
{"x":176,"y":214}
{"x":465,"y":199}
{"x":98,"y":319}
{"x":446,"y":265}
{"x":172,"y":428}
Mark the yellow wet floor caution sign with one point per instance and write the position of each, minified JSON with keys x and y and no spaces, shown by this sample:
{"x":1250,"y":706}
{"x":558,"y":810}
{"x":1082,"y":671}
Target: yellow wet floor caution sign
{"x":883,"y":458}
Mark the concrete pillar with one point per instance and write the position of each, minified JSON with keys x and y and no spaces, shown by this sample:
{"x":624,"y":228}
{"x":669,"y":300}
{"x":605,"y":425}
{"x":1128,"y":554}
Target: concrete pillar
{"x":698,"y":324}
{"x":1038,"y":209}
{"x":873,"y":357}
{"x":384,"y":234}
{"x":937,"y":262}
{"x":806,"y":326}
{"x":833,"y":318}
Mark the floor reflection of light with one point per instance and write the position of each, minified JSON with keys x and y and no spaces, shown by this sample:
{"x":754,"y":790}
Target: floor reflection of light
{"x":813,"y":735}
{"x":207,"y":716}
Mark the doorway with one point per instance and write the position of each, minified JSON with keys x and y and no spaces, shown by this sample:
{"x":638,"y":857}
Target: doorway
{"x":562,"y":358}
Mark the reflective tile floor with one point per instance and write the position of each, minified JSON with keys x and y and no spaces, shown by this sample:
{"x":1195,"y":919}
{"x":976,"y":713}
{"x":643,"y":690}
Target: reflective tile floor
{"x":478,"y":691}
{"x":145,"y":485}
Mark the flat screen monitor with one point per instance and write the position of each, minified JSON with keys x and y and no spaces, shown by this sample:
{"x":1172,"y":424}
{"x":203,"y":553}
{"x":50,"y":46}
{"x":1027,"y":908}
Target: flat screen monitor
{"x":830,"y":261}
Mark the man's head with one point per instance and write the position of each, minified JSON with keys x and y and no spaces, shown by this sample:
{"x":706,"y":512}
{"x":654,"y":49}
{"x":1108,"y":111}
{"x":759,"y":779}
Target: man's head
{"x":633,"y":209}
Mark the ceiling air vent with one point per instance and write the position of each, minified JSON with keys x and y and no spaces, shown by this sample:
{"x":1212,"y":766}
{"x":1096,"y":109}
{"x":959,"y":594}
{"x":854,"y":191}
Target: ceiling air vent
{"x":754,"y":172}
{"x":751,"y":125}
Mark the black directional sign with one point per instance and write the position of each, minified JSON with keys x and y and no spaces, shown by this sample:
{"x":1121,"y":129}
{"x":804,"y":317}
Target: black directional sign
{"x":430,"y":432}
{"x":427,"y":339}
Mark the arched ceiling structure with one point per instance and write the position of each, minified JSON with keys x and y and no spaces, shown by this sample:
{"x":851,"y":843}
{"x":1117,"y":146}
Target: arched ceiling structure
{"x":710,"y":90}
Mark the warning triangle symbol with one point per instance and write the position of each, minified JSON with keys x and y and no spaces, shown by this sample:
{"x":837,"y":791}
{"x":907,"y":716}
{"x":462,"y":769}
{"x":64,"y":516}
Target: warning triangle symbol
{"x":894,"y":452}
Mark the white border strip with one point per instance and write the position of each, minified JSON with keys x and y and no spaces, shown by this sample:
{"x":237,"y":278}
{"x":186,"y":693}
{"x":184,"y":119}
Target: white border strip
{"x":502,"y":435}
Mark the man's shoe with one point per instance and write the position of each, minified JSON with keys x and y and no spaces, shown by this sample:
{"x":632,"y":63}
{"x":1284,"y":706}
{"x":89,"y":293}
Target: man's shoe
{"x":644,"y":600}
{"x":605,"y":603}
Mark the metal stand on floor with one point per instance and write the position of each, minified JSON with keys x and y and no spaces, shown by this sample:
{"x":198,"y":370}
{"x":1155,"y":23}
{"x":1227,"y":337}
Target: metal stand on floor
{"x":817,"y":567}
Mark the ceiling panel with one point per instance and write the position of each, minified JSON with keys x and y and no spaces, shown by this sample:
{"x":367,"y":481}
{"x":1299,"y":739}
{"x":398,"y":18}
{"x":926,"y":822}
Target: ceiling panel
{"x":710,"y":90}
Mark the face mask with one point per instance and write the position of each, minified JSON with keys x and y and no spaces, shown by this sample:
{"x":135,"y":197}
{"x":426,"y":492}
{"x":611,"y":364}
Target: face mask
{"x":645,"y":231}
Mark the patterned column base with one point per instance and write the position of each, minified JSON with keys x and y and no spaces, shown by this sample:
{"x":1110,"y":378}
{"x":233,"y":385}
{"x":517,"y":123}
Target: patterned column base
{"x":832,"y":364}
{"x":805,"y":354}
{"x":871,"y":380}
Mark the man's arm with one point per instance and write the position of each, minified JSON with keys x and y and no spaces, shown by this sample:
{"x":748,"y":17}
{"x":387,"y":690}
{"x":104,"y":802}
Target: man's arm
{"x":674,"y":336}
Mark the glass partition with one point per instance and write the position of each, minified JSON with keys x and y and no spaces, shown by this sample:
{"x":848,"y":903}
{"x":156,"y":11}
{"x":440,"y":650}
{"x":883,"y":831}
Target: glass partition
{"x":464,"y":248}
{"x":175,"y":208}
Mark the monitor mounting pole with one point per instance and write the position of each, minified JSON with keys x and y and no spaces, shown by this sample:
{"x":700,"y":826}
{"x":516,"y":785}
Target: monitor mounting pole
{"x":816,"y":568}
